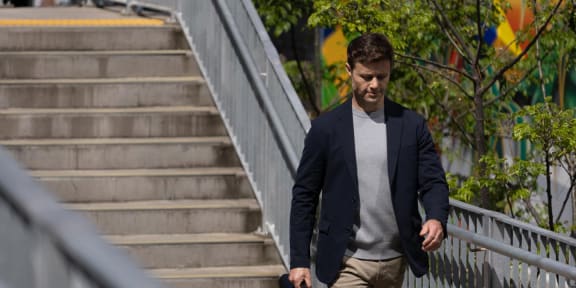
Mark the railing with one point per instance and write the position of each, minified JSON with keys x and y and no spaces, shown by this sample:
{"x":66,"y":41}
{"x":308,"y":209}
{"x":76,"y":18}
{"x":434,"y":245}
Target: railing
{"x":166,"y":5}
{"x":267,"y":123}
{"x":44,"y":245}
{"x":260,"y":108}
{"x":261,"y":111}
{"x":488,"y":249}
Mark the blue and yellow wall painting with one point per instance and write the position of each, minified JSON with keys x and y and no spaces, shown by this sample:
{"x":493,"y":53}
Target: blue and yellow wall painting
{"x":334,"y":45}
{"x":562,"y":89}
{"x":517,"y":17}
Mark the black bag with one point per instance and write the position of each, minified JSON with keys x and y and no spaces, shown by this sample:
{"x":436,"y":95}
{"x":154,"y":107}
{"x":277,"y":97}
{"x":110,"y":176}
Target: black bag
{"x":285,"y":283}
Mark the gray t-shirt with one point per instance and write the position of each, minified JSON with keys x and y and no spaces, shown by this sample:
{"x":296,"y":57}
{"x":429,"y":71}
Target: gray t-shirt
{"x":376,"y":232}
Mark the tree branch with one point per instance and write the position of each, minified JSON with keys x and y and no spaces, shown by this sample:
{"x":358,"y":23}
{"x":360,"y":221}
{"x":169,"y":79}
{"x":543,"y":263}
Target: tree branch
{"x":465,"y":53}
{"x":500,"y":72}
{"x":539,"y":60}
{"x":502,"y":52}
{"x":505,"y":93}
{"x":480,"y":36}
{"x":439,"y":74}
{"x":311,"y":93}
{"x":465,"y":135}
{"x":510,"y":205}
{"x":568,"y":193}
{"x":532,"y":211}
{"x":446,"y":67}
{"x":452,"y":41}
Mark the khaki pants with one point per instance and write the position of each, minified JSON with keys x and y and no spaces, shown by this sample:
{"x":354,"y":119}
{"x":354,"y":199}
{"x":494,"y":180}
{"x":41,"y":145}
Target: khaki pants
{"x":371,"y":273}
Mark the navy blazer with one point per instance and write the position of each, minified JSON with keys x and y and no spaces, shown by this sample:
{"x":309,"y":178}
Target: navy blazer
{"x":328,"y":164}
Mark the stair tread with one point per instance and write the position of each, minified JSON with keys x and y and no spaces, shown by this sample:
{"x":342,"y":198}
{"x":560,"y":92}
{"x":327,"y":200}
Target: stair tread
{"x":186,"y":238}
{"x":140,"y":172}
{"x":80,"y":23}
{"x":110,"y":141}
{"x":182,"y":208}
{"x":220,"y":272}
{"x":40,"y":53}
{"x":124,"y":110}
{"x":115,"y":80}
{"x":250,"y":204}
{"x":74,"y":28}
{"x":70,"y":12}
{"x":77,"y":28}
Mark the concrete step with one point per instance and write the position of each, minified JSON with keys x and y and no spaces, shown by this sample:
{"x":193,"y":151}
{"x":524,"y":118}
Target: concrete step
{"x":180,"y":216}
{"x":96,"y":64}
{"x":143,"y":185}
{"x":198,"y":250}
{"x":91,"y":38}
{"x":182,"y":121}
{"x":263,"y":276}
{"x":123,"y":153}
{"x":111,"y":92}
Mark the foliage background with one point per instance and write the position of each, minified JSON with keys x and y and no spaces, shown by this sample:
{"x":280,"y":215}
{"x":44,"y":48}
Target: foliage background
{"x":475,"y":93}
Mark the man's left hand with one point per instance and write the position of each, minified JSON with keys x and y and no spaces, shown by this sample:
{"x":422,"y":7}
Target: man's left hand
{"x":434,"y":234}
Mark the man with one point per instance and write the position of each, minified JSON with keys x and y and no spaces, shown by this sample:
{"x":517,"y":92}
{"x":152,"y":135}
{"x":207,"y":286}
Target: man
{"x":373,"y":160}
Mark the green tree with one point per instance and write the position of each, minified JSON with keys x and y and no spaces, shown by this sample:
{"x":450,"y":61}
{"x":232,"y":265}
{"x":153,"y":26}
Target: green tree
{"x":512,"y":181}
{"x":470,"y":100}
{"x":553,"y":131}
{"x":464,"y":101}
{"x":281,"y":16}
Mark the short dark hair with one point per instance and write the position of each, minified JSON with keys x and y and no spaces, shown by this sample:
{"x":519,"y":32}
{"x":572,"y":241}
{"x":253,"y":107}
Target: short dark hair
{"x":369,"y":48}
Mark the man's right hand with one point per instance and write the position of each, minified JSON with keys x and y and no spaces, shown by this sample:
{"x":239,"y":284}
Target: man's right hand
{"x":299,"y":275}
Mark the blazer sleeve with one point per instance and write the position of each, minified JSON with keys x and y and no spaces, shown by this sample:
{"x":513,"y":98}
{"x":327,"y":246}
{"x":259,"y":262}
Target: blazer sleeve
{"x":431,"y":178}
{"x":305,"y":194}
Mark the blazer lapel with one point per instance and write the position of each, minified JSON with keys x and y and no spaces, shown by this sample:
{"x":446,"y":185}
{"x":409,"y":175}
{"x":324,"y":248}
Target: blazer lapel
{"x":345,"y":130}
{"x":394,"y":136}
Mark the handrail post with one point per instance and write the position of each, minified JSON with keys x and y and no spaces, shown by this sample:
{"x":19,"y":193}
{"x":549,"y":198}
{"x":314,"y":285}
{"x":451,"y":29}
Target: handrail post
{"x":487,"y":265}
{"x":128,"y":7}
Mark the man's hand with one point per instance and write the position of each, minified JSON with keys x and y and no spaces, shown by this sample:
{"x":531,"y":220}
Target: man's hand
{"x":299,"y":275}
{"x":434,"y":234}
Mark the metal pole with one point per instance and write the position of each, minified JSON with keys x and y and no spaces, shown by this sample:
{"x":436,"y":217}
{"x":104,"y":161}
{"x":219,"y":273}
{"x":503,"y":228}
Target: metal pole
{"x":128,"y":7}
{"x":487,"y":266}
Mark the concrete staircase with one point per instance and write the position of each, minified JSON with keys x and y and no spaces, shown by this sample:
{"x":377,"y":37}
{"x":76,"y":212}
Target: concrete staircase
{"x":119,"y":123}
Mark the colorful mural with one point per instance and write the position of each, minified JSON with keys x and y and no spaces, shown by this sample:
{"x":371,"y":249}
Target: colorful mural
{"x":518,"y":18}
{"x":333,"y":58}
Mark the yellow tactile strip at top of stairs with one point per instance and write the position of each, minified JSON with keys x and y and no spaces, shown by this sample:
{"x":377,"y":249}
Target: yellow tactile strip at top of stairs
{"x":221,"y":272}
{"x":81,"y":22}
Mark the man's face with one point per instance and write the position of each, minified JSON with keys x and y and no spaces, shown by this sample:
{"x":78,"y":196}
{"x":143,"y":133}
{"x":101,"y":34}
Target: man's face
{"x":369,"y":82}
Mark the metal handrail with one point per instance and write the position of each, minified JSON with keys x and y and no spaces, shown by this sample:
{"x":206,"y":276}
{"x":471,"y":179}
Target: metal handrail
{"x":485,"y":229}
{"x":262,"y":106}
{"x":76,"y":241}
{"x":525,"y":256}
{"x":272,"y":55}
{"x":503,"y":218}
{"x":254,"y":77}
